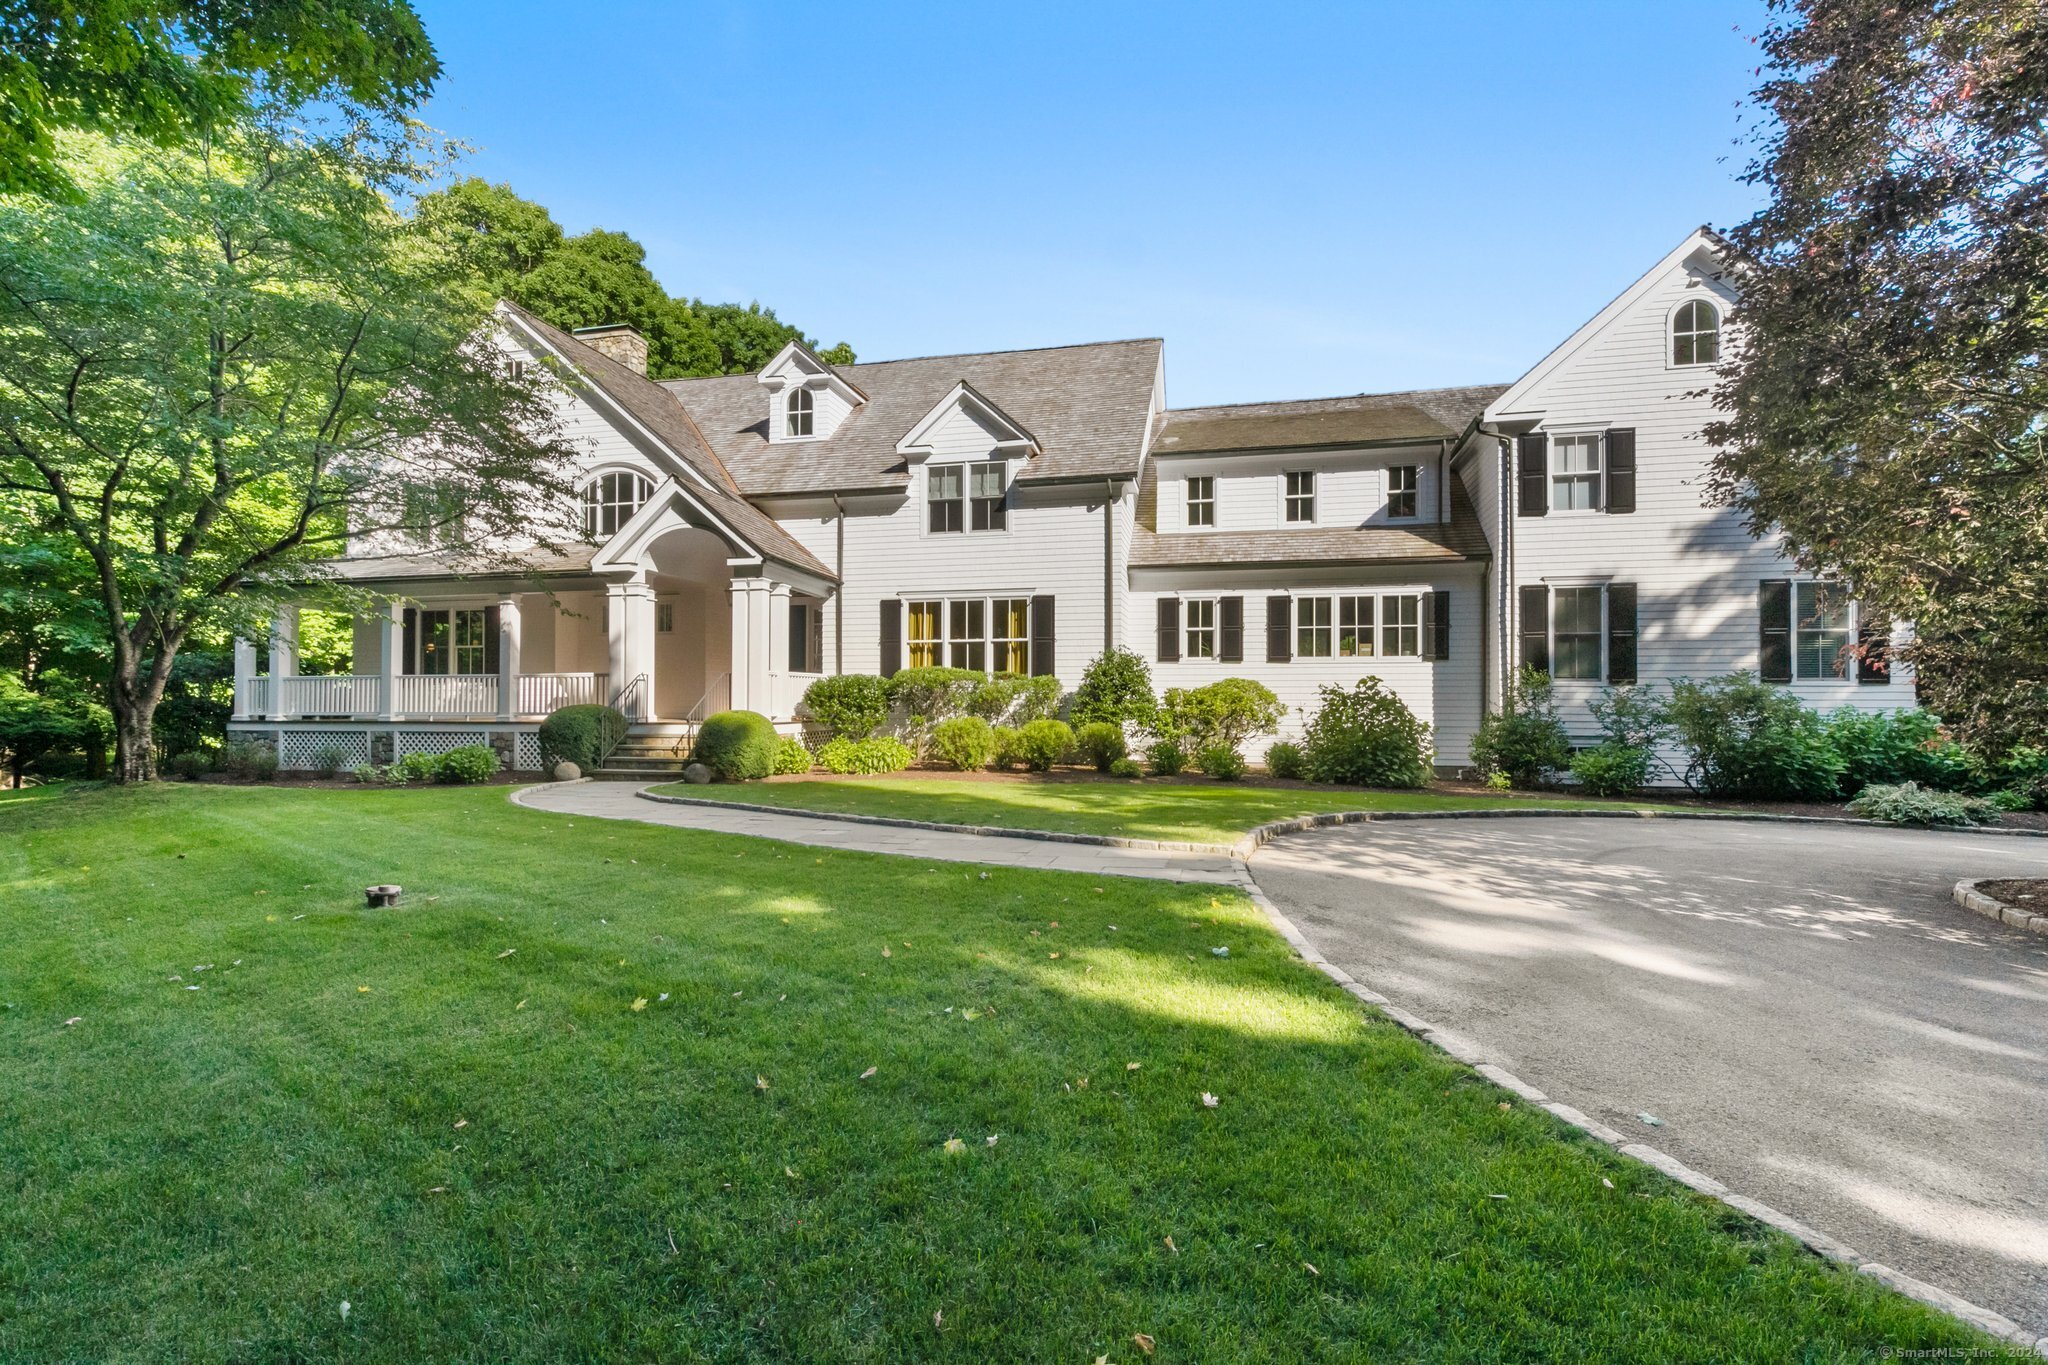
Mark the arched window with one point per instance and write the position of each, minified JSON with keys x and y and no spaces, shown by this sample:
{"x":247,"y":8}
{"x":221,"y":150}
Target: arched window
{"x":1696,"y":334}
{"x":800,"y":407}
{"x":610,"y":500}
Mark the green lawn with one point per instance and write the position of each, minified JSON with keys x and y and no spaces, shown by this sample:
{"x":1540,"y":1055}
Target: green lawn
{"x":454,"y":1118}
{"x":1190,"y":812}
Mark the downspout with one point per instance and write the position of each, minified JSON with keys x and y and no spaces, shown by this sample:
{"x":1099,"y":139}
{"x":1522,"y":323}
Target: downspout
{"x":1108,"y":565}
{"x":839,"y":568}
{"x":1443,"y":492}
{"x":1505,"y":551}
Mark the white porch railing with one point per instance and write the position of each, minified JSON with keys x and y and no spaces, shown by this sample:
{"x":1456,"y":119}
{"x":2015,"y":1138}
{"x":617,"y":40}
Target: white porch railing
{"x":334,"y":695}
{"x":540,"y":693}
{"x":446,"y":694}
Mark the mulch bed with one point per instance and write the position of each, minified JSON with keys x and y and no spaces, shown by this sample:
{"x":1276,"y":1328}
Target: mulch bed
{"x":2028,"y":893}
{"x":305,"y":779}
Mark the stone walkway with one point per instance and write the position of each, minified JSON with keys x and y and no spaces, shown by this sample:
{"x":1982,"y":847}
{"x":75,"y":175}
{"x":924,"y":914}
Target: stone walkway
{"x":619,"y":801}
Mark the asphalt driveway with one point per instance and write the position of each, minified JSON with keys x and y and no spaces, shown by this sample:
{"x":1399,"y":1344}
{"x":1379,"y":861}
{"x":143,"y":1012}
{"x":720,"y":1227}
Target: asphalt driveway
{"x":1816,"y":1023}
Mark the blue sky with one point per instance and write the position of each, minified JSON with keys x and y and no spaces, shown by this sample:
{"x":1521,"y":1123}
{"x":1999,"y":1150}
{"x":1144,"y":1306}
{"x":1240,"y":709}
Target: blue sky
{"x":1302,"y":200}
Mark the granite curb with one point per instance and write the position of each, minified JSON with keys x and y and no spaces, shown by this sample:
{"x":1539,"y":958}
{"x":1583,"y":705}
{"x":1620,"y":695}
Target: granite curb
{"x":1970,"y":898}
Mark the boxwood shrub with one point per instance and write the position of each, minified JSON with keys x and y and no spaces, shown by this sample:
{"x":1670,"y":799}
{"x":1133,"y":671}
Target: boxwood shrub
{"x":1100,"y":744}
{"x":1284,"y":760}
{"x":469,"y":764}
{"x":851,"y":705}
{"x":1167,"y":758}
{"x":966,"y":742}
{"x":583,"y":735}
{"x":738,"y":746}
{"x":1042,"y":743}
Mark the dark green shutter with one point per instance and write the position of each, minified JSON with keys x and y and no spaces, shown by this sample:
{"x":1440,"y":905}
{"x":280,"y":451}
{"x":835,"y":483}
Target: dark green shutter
{"x":1169,"y":630}
{"x":1532,"y":475}
{"x":1873,"y":652}
{"x":1278,"y":624}
{"x":491,"y":655}
{"x":1621,"y":633}
{"x":1774,"y":630}
{"x":1535,"y":627}
{"x":412,"y":642}
{"x":1436,"y":625}
{"x":892,"y":637}
{"x":1041,"y":635}
{"x":1230,"y":630}
{"x":800,"y":638}
{"x":1621,"y":470}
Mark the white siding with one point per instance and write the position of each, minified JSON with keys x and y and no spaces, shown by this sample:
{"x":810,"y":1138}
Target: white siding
{"x":1445,"y":694}
{"x":1696,"y":567}
{"x":1251,"y":490}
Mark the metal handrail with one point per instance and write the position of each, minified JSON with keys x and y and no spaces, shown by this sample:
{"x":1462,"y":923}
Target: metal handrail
{"x":619,"y":697}
{"x":694,"y":717}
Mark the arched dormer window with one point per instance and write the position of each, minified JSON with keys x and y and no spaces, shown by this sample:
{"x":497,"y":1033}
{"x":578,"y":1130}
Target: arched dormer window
{"x":610,"y":500}
{"x":1696,"y":333}
{"x":801,"y":406}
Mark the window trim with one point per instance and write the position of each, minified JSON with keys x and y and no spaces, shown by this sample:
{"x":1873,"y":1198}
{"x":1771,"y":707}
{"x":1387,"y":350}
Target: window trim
{"x":1327,"y":627}
{"x":805,"y":416}
{"x":1413,"y":493}
{"x":1557,"y":439}
{"x":1189,"y":502}
{"x":1211,"y":630}
{"x":994,"y":510}
{"x":1600,"y":586}
{"x":590,"y":514}
{"x":943,"y":642}
{"x":1288,"y":497}
{"x":1397,"y":630}
{"x":1852,"y":621}
{"x":1719,"y":333}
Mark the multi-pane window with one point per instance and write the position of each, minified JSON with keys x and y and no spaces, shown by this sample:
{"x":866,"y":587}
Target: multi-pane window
{"x":1202,"y":500}
{"x":610,"y":500}
{"x":925,"y":636}
{"x":450,"y":641}
{"x":1575,"y":632}
{"x":1354,"y":627}
{"x":801,"y":413}
{"x":1312,"y":627}
{"x":1201,"y":627}
{"x":987,"y":634}
{"x":1696,"y":334}
{"x":1575,"y":472}
{"x":806,"y":637}
{"x":1404,"y":484}
{"x":985,"y":488}
{"x":1301,"y":495}
{"x":1401,"y":625}
{"x":1010,"y":634}
{"x":945,"y":495}
{"x":1820,"y":631}
{"x":664,"y":618}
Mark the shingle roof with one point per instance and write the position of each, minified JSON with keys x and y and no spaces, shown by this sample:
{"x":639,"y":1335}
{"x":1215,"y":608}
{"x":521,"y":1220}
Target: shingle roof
{"x":1361,"y":419}
{"x":649,"y":404}
{"x":453,"y":564}
{"x":1460,"y":540}
{"x":1087,"y":405}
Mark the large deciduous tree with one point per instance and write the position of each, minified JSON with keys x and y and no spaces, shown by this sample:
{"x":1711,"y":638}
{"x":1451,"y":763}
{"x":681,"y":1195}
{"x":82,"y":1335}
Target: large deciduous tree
{"x":163,"y":69}
{"x":217,"y":362}
{"x":1886,"y":404}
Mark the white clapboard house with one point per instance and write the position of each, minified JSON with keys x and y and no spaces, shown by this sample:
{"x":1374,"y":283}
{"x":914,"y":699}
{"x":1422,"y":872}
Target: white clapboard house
{"x":1024,"y":510}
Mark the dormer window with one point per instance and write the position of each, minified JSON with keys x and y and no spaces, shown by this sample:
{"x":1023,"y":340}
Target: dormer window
{"x":610,"y":500}
{"x":1696,"y":333}
{"x":800,"y":411}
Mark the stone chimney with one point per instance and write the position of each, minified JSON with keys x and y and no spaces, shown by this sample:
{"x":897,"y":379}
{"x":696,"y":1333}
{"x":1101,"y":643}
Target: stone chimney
{"x":620,"y":341}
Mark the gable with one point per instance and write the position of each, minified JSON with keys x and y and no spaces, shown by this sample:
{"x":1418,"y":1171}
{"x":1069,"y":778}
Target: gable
{"x":966,"y":424}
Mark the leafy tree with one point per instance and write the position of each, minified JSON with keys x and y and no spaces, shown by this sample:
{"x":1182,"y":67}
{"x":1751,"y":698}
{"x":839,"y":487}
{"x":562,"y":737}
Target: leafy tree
{"x":166,"y":70}
{"x":1117,"y":688}
{"x":1886,"y":399}
{"x":601,"y":277}
{"x":61,"y":716}
{"x":217,"y":363}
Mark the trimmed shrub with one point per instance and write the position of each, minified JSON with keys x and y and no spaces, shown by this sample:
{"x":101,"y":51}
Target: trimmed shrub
{"x":1100,"y":744}
{"x":1908,"y":803}
{"x":1126,"y":767}
{"x":1611,"y":768}
{"x":413,"y":768}
{"x":1014,"y":698}
{"x":878,"y":754}
{"x":1367,"y":737}
{"x":851,"y":705}
{"x":1888,"y":748}
{"x":467,"y":765}
{"x":189,"y":766}
{"x":583,"y":735}
{"x":1229,"y":711}
{"x":1222,"y":762}
{"x":1524,"y":739}
{"x":1042,"y":743}
{"x":1167,"y":758}
{"x":246,"y":760}
{"x":1745,"y":738}
{"x":1006,"y":755}
{"x":966,"y":742}
{"x":928,"y":697}
{"x":738,"y":746}
{"x":791,"y":757}
{"x":1117,"y":688}
{"x":1285,"y":760}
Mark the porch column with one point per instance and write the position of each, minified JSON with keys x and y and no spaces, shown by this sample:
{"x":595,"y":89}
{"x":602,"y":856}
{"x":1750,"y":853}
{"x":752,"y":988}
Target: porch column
{"x":750,"y":637}
{"x":629,"y":630}
{"x":245,"y":678}
{"x":778,"y":649}
{"x":390,"y":657}
{"x":508,"y":657}
{"x":284,"y":658}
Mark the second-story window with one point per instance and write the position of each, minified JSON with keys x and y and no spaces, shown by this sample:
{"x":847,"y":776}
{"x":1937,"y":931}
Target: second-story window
{"x":1301,"y":495}
{"x":945,"y":496}
{"x":802,"y":407}
{"x":1575,"y":473}
{"x":1696,"y":334}
{"x":985,"y":488}
{"x":1404,"y":482}
{"x":610,"y":500}
{"x":1202,"y":500}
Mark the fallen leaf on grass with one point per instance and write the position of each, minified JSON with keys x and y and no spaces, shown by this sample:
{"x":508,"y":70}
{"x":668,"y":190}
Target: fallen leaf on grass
{"x":954,"y":1146}
{"x":869,"y":1072}
{"x":639,"y":1003}
{"x":438,"y":1189}
{"x":520,"y":1006}
{"x":1311,"y":1270}
{"x":1504,"y":1106}
{"x":1608,"y":1183}
{"x":1209,"y":1101}
{"x":1143,"y":1342}
{"x":1171,"y":1247}
{"x":760,"y":1082}
{"x":939,"y":1314}
{"x":362,"y":990}
{"x":72,"y":1020}
{"x":1130,"y":1066}
{"x":791,"y":1173}
{"x":462,"y":1123}
{"x":886,"y":952}
{"x":992,"y":1138}
{"x":508,"y":952}
{"x":1496,"y":1196}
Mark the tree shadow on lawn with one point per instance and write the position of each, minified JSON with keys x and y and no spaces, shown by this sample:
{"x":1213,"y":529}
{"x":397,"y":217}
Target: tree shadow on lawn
{"x":211,"y":1173}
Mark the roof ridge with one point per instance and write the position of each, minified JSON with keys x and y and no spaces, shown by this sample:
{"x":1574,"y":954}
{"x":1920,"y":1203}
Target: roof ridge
{"x":1332,"y":398}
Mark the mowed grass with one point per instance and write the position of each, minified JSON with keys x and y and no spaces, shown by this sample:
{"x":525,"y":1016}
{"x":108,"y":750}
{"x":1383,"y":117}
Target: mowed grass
{"x":453,"y":1117}
{"x":1180,"y":812}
